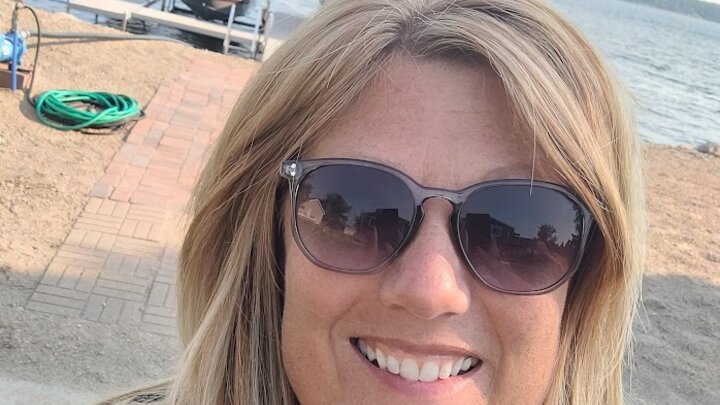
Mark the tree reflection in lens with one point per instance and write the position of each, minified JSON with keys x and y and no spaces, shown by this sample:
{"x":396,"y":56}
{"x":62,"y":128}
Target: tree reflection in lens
{"x":518,"y":252}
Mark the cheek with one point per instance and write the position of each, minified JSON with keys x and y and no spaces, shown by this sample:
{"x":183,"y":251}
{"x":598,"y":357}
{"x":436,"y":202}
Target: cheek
{"x":313,"y":294}
{"x":528,"y":332}
{"x":317,"y":295}
{"x":313,"y":344}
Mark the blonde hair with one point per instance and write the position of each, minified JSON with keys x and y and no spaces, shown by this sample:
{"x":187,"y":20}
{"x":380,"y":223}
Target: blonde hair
{"x":231,"y":279}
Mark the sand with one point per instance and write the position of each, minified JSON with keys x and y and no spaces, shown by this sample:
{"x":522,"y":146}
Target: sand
{"x":45,"y":176}
{"x":677,"y":351}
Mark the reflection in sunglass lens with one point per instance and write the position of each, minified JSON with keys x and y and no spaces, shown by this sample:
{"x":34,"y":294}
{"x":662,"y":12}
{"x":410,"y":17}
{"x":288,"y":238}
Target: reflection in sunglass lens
{"x":520,"y":241}
{"x":352,"y":218}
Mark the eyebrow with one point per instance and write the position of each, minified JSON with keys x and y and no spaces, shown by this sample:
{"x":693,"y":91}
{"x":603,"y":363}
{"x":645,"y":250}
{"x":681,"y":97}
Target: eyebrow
{"x":520,"y":171}
{"x":516,"y":171}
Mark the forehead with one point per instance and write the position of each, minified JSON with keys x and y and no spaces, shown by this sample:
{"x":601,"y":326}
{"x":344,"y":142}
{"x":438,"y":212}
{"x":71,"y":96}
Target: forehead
{"x":445,"y":125}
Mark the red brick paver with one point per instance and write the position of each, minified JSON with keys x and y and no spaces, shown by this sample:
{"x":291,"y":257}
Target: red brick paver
{"x":118,"y":264}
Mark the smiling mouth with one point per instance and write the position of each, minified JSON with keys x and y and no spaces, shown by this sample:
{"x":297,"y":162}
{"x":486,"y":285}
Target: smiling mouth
{"x":415,"y":368}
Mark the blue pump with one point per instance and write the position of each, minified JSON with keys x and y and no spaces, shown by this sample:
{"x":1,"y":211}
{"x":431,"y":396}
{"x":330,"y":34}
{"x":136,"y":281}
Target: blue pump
{"x":12,"y":47}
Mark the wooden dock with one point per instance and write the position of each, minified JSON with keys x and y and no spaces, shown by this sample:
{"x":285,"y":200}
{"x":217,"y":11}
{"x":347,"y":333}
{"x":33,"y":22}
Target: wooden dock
{"x":124,"y":11}
{"x":191,"y":24}
{"x":120,"y":10}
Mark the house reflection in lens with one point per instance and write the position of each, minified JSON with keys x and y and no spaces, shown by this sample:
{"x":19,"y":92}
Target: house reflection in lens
{"x":359,"y":242}
{"x":384,"y":228}
{"x":509,"y":260}
{"x":312,"y":211}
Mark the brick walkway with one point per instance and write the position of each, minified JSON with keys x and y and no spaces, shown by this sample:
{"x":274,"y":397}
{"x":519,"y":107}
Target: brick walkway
{"x":118,"y":264}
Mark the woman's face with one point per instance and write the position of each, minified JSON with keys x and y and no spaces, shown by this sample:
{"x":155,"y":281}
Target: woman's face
{"x":448,"y":127}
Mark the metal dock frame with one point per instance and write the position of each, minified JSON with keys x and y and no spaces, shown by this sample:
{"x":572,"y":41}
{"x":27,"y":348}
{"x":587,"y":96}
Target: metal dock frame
{"x":120,"y":10}
{"x":124,"y":11}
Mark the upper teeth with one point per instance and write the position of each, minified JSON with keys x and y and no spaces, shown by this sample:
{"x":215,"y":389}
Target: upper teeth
{"x":414,"y":370}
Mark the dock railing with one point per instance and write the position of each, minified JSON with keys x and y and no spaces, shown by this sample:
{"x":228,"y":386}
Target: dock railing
{"x":124,"y":11}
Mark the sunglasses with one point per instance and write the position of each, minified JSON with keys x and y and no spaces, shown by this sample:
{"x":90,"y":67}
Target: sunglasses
{"x":517,"y":236}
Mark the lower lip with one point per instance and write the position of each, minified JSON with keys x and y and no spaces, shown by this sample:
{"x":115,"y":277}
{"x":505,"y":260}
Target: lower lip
{"x":427,"y":390}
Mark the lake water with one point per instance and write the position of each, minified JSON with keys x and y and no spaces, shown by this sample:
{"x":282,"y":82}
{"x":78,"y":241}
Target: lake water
{"x":670,"y":62}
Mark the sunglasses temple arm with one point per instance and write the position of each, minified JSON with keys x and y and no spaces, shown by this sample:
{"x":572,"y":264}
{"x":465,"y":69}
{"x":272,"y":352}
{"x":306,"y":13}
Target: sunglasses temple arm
{"x":590,"y":237}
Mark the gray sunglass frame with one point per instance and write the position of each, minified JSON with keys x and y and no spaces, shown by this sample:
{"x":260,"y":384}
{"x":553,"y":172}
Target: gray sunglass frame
{"x":295,"y":171}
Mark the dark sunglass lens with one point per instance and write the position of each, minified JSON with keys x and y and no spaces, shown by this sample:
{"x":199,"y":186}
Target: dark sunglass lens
{"x":521,"y":241}
{"x":352,"y":218}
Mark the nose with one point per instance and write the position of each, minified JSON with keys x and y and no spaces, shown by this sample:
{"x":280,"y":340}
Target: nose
{"x":429,"y":279}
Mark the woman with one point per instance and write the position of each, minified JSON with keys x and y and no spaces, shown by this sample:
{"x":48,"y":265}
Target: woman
{"x":458,"y":217}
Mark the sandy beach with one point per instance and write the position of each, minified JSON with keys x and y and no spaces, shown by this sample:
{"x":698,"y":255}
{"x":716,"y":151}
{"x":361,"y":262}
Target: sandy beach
{"x":677,"y":333}
{"x":45,"y":176}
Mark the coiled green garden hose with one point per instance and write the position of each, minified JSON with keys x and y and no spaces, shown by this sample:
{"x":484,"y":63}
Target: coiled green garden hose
{"x":69,"y":110}
{"x":85,"y":111}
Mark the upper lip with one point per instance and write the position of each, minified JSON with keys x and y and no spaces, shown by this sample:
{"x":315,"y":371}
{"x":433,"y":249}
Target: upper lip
{"x":431,"y":349}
